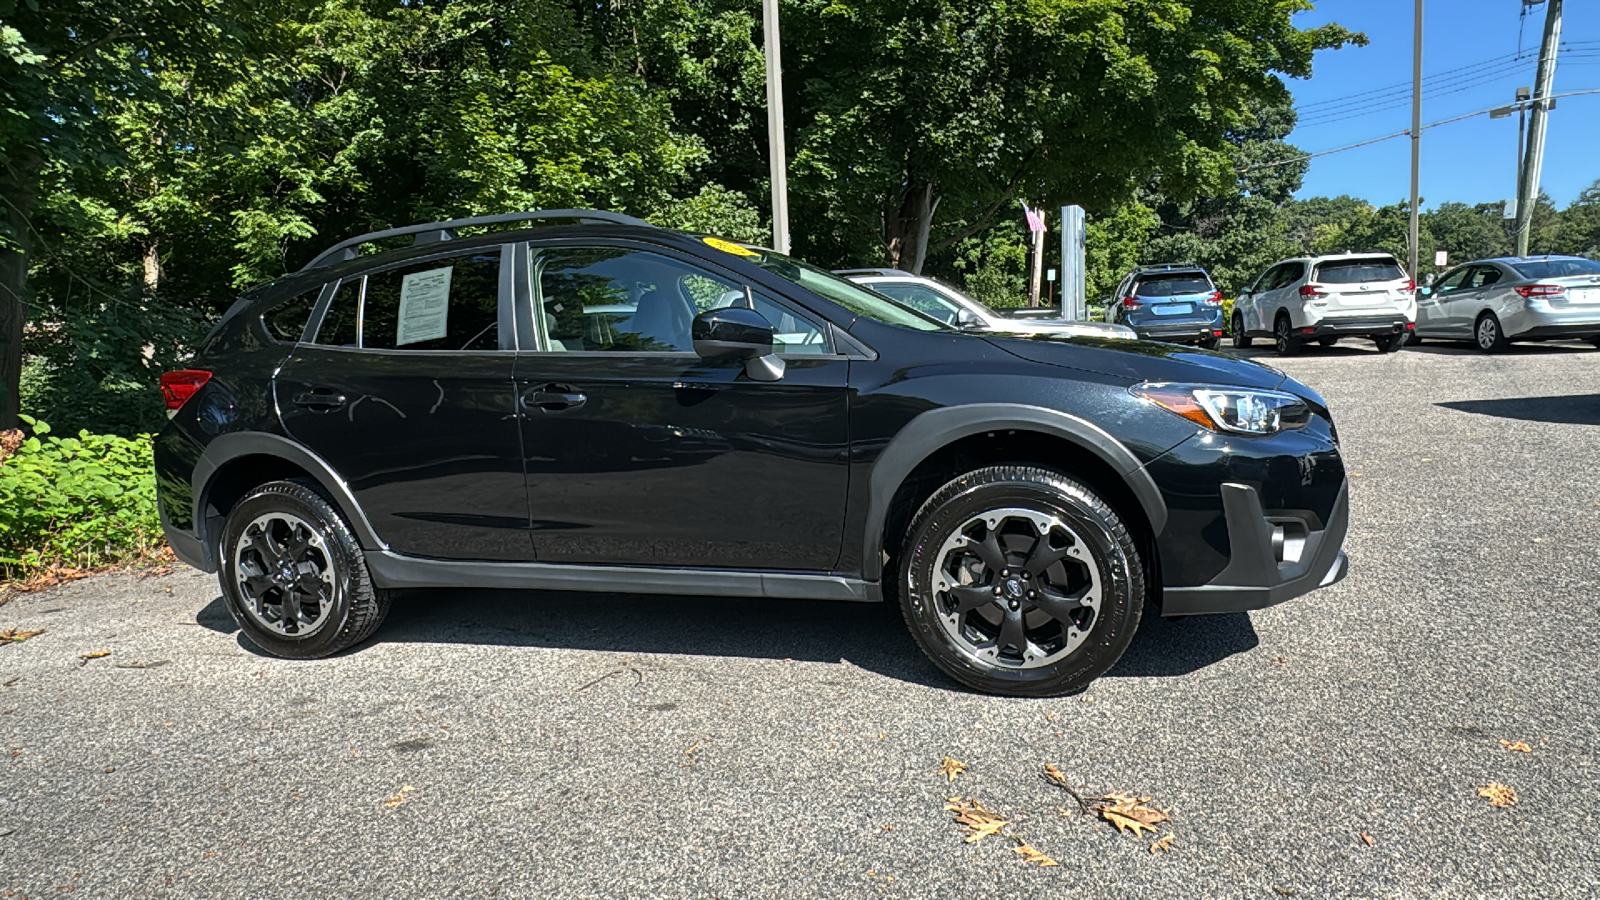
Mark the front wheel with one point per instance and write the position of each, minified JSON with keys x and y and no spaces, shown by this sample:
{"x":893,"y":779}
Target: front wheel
{"x":1488,"y":335}
{"x":293,"y":575}
{"x":1021,"y":581}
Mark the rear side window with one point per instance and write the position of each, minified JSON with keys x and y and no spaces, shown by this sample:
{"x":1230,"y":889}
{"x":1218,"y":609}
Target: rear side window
{"x":920,"y":299}
{"x":438,"y":304}
{"x":1360,"y":271}
{"x":287,"y":321}
{"x":1173,"y":285}
{"x":1557,"y":268}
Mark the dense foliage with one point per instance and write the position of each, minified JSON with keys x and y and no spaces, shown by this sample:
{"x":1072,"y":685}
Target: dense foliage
{"x":80,"y":501}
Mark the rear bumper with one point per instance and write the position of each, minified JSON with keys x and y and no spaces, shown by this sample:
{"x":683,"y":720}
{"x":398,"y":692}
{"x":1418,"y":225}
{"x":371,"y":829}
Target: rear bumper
{"x":1186,"y":330}
{"x":1266,"y":567}
{"x":1356,"y":325}
{"x":1563,"y":330}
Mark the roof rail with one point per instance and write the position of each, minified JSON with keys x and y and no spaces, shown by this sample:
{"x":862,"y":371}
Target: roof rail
{"x":444,"y":231}
{"x":1156,"y":267}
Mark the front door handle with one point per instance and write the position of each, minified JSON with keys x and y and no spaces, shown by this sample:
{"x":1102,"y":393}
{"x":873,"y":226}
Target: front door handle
{"x":319,"y":400}
{"x":554,"y":398}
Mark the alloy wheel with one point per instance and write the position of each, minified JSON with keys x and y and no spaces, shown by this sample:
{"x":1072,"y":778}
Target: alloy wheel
{"x":285,"y":574}
{"x":1488,"y":333}
{"x":1017,"y":588}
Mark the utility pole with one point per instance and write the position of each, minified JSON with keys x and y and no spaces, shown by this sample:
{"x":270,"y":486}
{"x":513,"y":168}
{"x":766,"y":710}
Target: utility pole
{"x":1522,"y":130}
{"x":1416,"y":131}
{"x":776,"y":149}
{"x":1533,"y":157}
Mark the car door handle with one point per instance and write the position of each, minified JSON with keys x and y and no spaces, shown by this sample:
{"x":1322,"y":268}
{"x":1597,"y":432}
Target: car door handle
{"x":319,"y":400}
{"x":554,"y":398}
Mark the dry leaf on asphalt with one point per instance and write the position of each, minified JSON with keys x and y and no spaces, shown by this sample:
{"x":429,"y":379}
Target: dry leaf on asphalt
{"x":83,"y":660}
{"x":1366,"y":839}
{"x":1162,"y":844}
{"x":399,"y":798}
{"x":1516,"y":746}
{"x":1498,"y":794}
{"x":979,"y":822}
{"x":1032,"y":855}
{"x":16,"y":636}
{"x":950,"y":768}
{"x":1129,"y":813}
{"x":1054,"y":774}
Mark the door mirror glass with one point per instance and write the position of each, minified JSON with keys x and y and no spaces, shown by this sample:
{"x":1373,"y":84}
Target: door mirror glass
{"x":737,"y":333}
{"x":1424,"y":291}
{"x":966,"y":318}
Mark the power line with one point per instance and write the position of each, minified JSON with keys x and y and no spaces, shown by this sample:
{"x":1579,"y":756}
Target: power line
{"x":1493,"y":62}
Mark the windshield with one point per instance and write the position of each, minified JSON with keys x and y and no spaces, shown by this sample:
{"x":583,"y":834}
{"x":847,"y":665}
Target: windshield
{"x":1173,"y":285}
{"x":1557,"y":268}
{"x":1359,"y":271}
{"x":847,"y":294}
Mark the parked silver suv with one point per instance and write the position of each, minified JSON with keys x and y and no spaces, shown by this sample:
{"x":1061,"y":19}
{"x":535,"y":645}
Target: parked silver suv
{"x":1493,"y":302}
{"x":1325,"y":298}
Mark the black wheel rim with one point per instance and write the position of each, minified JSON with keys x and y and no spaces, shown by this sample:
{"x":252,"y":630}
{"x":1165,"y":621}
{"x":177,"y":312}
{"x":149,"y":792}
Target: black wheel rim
{"x":285,"y":574}
{"x":1016,"y":588}
{"x":1282,"y":334}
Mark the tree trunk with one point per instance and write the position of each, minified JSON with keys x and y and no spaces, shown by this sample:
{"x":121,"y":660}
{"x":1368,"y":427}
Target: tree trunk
{"x":907,"y":237}
{"x":153,"y":273}
{"x":17,"y":188}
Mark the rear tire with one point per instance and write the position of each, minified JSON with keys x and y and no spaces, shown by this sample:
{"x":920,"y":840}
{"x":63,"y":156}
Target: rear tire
{"x":1595,"y":341}
{"x":1241,"y":338}
{"x":1283,"y":336}
{"x":1488,"y":334}
{"x":293,"y":575}
{"x":1327,"y":341}
{"x":1020,"y":581}
{"x":1389,"y":343}
{"x":1211,"y":343}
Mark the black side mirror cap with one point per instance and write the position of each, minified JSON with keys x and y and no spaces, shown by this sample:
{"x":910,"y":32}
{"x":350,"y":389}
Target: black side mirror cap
{"x":737,"y":333}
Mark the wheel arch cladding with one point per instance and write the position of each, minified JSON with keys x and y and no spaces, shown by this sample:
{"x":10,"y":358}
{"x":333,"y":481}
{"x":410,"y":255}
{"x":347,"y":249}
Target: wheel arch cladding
{"x":235,"y":463}
{"x":991,"y":433}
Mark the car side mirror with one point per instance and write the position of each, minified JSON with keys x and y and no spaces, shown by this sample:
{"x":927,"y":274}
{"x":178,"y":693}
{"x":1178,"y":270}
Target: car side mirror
{"x":966,"y":318}
{"x":1424,"y":291}
{"x":737,"y":333}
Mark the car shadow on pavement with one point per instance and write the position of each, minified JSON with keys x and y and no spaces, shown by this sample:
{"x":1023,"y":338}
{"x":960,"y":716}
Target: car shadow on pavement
{"x":869,"y":635}
{"x":1574,"y":409}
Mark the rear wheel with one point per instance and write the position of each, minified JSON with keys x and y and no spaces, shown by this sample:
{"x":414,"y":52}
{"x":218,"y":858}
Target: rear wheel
{"x":1241,"y":339}
{"x":1021,"y":581}
{"x":1210,"y":343}
{"x":1488,"y":335}
{"x":293,"y":575}
{"x":1389,"y":343}
{"x":1595,"y":341}
{"x":1327,"y":341}
{"x":1283,"y":336}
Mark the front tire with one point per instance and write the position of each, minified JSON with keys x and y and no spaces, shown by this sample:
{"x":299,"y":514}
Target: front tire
{"x":1021,"y":581}
{"x":293,"y":575}
{"x":1488,"y":334}
{"x":1241,"y":339}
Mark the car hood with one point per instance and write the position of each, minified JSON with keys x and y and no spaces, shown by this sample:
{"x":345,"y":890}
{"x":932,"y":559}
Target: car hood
{"x":1137,"y":361}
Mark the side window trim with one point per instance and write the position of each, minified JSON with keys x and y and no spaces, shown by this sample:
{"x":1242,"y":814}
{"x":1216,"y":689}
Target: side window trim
{"x":320,"y":311}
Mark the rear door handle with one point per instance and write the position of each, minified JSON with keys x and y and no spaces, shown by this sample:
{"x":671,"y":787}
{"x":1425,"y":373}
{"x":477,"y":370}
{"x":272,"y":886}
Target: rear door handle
{"x":554,"y":398}
{"x":319,"y":400}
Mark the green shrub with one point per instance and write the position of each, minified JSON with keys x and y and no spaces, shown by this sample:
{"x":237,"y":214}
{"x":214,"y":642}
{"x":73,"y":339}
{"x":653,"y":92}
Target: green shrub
{"x":81,"y":501}
{"x":1227,"y":314}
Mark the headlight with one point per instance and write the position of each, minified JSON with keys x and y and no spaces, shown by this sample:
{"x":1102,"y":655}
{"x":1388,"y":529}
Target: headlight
{"x":1228,"y":409}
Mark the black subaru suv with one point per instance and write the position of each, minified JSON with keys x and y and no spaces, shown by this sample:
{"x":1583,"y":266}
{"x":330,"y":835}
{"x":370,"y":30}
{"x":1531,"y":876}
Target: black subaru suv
{"x":587,"y":402}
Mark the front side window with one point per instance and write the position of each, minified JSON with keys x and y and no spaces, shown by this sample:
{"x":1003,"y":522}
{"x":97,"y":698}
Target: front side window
{"x":1452,"y":281}
{"x":438,"y":304}
{"x":1270,"y":279}
{"x":842,"y":291}
{"x":619,"y":299}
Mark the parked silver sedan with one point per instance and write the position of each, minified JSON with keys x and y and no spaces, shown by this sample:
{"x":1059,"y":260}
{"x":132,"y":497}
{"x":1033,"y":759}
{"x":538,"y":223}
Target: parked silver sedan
{"x":950,"y":306}
{"x":1493,"y":302}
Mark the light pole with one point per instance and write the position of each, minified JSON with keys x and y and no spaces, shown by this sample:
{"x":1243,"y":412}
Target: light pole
{"x":1533,"y":154}
{"x":779,"y":161}
{"x":1416,"y":130}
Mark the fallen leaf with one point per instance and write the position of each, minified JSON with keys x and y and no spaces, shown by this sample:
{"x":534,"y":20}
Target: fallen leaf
{"x":1283,"y":891}
{"x":692,"y":750}
{"x":1054,"y":774}
{"x":950,"y":768}
{"x":399,"y":798}
{"x":1498,"y":794}
{"x":1161,"y":845}
{"x":83,"y":660}
{"x":979,"y":822}
{"x":15,"y":636}
{"x":1367,"y":839}
{"x":1129,"y":813}
{"x":1030,"y":854}
{"x":1516,"y":746}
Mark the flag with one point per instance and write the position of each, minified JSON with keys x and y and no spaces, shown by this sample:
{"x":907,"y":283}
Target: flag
{"x":1035,"y":217}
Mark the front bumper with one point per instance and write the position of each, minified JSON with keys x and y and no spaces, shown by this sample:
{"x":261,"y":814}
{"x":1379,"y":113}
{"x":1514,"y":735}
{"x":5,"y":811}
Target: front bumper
{"x":1272,"y":559}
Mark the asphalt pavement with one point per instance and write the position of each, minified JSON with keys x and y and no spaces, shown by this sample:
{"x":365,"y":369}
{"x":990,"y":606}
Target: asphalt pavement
{"x":573,"y":745}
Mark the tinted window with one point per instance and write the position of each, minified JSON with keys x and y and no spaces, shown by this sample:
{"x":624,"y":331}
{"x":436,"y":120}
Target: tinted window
{"x":1453,"y":281}
{"x":441,"y":304}
{"x":1483,"y":276}
{"x":1360,"y":271}
{"x":1173,"y":285}
{"x":339,"y":323}
{"x":920,"y":299}
{"x":287,"y":322}
{"x":845,"y":293}
{"x":1267,"y":279}
{"x":1556,"y":268}
{"x":618,"y":299}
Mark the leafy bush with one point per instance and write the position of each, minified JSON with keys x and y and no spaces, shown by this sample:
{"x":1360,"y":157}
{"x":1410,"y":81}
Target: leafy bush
{"x":1227,"y":314}
{"x":82,"y":501}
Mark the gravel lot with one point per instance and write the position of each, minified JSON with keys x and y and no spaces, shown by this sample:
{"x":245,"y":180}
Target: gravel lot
{"x":583,"y":745}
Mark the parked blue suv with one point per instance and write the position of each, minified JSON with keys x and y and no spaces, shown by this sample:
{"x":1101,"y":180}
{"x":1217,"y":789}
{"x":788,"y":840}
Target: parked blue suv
{"x":1174,"y":302}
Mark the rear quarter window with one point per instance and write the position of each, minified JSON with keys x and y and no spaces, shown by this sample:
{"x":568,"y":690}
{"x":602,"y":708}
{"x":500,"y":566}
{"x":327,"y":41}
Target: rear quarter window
{"x":1359,"y":271}
{"x":286,"y":322}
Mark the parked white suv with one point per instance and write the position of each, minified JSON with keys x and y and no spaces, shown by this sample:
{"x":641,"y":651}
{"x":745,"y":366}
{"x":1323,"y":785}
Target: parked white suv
{"x":1325,"y":298}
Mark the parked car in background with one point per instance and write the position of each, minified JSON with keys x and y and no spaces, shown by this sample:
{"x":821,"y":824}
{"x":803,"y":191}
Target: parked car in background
{"x":584,"y":402}
{"x":1173,"y":302}
{"x":950,"y":306}
{"x":1325,"y":298}
{"x":1493,"y":302}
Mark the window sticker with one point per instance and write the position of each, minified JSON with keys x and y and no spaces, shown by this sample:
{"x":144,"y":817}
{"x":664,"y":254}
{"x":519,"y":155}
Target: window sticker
{"x":424,"y":306}
{"x":729,"y":247}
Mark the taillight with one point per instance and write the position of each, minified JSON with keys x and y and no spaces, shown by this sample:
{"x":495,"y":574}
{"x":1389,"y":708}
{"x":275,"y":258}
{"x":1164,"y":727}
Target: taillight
{"x":1411,"y":286}
{"x":1540,"y":290}
{"x":1130,"y":301}
{"x":177,"y":387}
{"x":1311,"y":290}
{"x":1215,"y":299}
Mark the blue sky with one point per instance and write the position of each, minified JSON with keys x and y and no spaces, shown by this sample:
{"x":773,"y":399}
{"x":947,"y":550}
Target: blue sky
{"x":1356,"y":93}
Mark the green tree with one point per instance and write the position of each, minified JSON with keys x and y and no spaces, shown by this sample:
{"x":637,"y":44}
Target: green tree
{"x":1579,"y":230}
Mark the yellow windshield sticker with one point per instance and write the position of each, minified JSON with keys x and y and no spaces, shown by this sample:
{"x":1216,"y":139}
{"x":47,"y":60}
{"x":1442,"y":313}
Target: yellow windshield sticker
{"x":729,"y":247}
